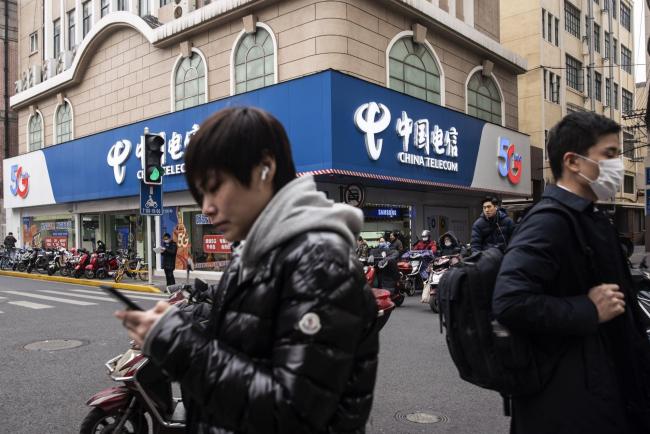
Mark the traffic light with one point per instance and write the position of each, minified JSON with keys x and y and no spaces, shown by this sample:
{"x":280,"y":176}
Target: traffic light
{"x":152,"y":159}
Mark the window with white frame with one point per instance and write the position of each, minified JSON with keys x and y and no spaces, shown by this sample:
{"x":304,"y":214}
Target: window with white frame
{"x":483,"y":98}
{"x":254,"y":61}
{"x":122,"y":5}
{"x":35,"y":132}
{"x":104,"y":8}
{"x":144,"y":8}
{"x":71,"y":29}
{"x":33,"y":42}
{"x":626,"y":59}
{"x":63,"y":123}
{"x":414,"y":71}
{"x":56,"y":37}
{"x":189,"y":82}
{"x":87,"y":19}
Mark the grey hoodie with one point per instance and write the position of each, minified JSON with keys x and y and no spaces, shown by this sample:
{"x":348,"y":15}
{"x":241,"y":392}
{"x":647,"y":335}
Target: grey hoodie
{"x":297,"y":208}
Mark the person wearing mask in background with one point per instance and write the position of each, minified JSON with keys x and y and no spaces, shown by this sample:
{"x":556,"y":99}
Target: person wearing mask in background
{"x":450,"y":245}
{"x":493,"y":228}
{"x":291,"y":344}
{"x":396,"y":243}
{"x":362,"y":248}
{"x":426,"y":243}
{"x":575,"y":303}
{"x":383,"y":244}
{"x":168,"y":255}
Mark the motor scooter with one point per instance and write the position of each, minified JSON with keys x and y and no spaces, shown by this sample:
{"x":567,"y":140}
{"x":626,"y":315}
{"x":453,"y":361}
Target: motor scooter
{"x":80,"y":266}
{"x":145,"y":402}
{"x":381,"y":272}
{"x":414,"y":266}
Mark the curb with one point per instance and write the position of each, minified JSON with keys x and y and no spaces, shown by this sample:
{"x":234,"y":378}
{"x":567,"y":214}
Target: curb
{"x":86,"y":282}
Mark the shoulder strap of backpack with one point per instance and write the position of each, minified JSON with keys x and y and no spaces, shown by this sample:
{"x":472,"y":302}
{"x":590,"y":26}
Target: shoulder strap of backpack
{"x":558,"y":208}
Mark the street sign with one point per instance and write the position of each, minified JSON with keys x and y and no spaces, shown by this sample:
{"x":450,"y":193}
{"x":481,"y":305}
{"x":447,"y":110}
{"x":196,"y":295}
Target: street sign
{"x":151,"y":199}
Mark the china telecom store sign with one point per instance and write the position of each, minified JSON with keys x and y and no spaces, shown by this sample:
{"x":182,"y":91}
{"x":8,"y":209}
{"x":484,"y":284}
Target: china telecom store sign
{"x":345,"y":126}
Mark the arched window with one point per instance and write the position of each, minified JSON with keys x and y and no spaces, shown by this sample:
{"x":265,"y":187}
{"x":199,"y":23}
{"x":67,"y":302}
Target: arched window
{"x":63,"y":123}
{"x":414,"y":71}
{"x":189,"y":82}
{"x":35,"y":132}
{"x":254,"y":61}
{"x":484,"y":98}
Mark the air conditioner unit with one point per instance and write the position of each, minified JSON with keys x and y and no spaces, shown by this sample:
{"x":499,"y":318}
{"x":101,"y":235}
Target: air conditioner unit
{"x":175,"y":10}
{"x":35,"y":76}
{"x":49,"y":69}
{"x":183,"y":7}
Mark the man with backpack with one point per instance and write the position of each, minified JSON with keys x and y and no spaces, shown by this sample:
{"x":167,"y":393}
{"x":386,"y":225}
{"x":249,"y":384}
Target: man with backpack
{"x":493,"y":228}
{"x":565,"y":289}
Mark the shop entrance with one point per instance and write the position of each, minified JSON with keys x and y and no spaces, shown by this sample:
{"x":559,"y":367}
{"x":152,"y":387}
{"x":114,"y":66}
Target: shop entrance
{"x":445,"y":219}
{"x":380,"y":220}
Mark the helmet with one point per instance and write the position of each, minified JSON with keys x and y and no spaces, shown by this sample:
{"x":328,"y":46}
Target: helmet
{"x":426,"y":234}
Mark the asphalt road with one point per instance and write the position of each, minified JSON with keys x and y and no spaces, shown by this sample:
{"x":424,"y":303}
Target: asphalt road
{"x":46,"y":391}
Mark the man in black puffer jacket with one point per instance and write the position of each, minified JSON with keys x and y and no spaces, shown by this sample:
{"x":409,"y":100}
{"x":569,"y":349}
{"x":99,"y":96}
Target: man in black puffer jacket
{"x":290,"y":345}
{"x":493,"y":228}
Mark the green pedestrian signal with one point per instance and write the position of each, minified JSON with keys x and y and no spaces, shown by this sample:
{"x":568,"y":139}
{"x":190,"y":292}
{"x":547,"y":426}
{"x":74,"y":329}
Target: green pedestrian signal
{"x":152,"y":159}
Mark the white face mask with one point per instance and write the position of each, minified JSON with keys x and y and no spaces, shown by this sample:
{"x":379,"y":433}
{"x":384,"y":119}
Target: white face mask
{"x":448,"y":243}
{"x":610,"y":178}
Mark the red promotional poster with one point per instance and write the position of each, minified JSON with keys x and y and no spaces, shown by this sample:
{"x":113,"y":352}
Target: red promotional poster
{"x":55,"y":242}
{"x":215,"y":244}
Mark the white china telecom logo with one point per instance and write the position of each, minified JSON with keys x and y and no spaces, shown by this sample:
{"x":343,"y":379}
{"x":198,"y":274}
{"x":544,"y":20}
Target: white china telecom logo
{"x":175,"y":147}
{"x":374,"y":118}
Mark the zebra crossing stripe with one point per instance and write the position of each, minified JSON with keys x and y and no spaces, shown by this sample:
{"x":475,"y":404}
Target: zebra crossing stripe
{"x":30,"y":305}
{"x":68,"y":294}
{"x":45,"y":297}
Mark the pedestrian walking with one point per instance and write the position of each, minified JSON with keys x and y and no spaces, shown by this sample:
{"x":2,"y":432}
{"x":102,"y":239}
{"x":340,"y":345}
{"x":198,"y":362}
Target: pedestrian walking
{"x":493,"y":228}
{"x":573,"y":303}
{"x":10,"y":244}
{"x":290,"y":345}
{"x":168,"y":255}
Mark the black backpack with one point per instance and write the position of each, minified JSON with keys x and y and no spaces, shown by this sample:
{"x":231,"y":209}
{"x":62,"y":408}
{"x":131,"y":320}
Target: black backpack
{"x":485,"y":352}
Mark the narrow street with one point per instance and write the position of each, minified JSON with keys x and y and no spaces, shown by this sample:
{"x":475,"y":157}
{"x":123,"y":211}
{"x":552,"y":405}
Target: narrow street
{"x":46,"y":391}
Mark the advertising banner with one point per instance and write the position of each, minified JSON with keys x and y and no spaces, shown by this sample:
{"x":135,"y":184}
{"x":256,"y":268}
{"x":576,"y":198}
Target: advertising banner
{"x":216,"y":244}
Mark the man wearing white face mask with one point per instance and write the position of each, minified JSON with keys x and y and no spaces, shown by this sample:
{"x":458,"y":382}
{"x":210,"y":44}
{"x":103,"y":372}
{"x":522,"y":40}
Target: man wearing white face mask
{"x":565,"y":287}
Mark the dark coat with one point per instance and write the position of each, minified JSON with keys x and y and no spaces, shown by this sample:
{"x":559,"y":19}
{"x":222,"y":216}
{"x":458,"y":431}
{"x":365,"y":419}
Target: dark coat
{"x":255,"y":369}
{"x":592,"y":372}
{"x":494,"y":232}
{"x":10,"y":242}
{"x":169,"y":256}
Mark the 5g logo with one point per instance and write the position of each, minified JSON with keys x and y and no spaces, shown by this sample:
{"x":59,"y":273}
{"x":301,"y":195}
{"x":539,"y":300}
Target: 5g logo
{"x":19,"y":182}
{"x":508,"y":163}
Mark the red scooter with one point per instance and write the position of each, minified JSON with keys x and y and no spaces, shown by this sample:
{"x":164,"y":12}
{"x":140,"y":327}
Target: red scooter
{"x":80,"y":263}
{"x":381,"y":272}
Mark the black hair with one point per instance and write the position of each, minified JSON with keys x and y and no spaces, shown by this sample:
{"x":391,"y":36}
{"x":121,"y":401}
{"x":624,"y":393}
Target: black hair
{"x":576,"y":132}
{"x":166,"y":234}
{"x":360,"y":238}
{"x":492,"y":199}
{"x":234,"y":141}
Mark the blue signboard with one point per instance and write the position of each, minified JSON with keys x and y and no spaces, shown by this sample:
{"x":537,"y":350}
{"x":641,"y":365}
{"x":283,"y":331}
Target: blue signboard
{"x":647,"y":202}
{"x":345,"y":125}
{"x":151,"y":199}
{"x":385,"y":213}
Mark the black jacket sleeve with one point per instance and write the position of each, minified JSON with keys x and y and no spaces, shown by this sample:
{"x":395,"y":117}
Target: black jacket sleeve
{"x":477,"y":238}
{"x":531,"y":266}
{"x":300,"y":387}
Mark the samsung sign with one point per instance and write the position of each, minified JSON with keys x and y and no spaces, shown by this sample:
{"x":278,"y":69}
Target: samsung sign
{"x":345,"y":125}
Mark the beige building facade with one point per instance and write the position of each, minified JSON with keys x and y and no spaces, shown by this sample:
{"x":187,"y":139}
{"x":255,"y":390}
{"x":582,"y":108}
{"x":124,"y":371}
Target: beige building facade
{"x":580,"y":58}
{"x":98,"y":65}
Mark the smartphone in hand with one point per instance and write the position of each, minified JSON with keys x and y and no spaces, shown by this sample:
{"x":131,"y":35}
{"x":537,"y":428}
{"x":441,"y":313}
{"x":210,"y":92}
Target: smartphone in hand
{"x":128,"y":303}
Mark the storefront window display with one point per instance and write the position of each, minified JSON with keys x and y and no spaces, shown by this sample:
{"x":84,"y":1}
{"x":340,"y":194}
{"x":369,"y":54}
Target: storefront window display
{"x":49,"y":232}
{"x":196,"y":238}
{"x":381,"y":220}
{"x":126,"y":231}
{"x":90,"y":231}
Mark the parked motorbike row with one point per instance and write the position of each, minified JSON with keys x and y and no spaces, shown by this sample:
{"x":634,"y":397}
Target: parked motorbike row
{"x":76,"y":263}
{"x":144,"y":402}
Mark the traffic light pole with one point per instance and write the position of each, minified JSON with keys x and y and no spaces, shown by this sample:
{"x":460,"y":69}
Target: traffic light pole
{"x":150,"y":250}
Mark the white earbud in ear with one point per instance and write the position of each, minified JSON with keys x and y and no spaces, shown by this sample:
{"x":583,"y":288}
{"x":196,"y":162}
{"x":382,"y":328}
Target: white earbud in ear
{"x":265,"y":172}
